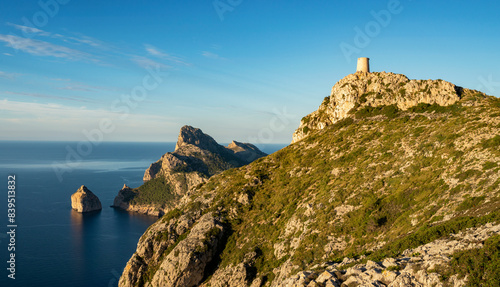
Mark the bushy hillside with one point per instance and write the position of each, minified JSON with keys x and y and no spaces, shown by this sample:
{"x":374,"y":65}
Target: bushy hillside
{"x":374,"y":185}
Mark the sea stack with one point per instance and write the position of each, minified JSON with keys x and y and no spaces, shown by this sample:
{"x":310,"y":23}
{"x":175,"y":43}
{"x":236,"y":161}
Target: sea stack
{"x":83,"y":200}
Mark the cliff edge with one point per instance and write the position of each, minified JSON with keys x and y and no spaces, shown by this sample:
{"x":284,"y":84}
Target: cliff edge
{"x":376,"y":89}
{"x":391,"y":182}
{"x":197,"y":157}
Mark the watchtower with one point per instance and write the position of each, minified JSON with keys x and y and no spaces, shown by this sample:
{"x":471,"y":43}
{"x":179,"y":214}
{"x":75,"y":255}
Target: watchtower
{"x":363,"y":65}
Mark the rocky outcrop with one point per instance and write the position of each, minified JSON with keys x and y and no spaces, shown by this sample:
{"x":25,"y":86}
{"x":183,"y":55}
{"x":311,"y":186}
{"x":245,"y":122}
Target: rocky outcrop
{"x":83,"y":200}
{"x":376,"y":89}
{"x":153,"y":243}
{"x":123,"y":201}
{"x":185,"y":264}
{"x":200,"y":156}
{"x":389,"y":187}
{"x":415,"y":268}
{"x":197,"y":157}
{"x":179,"y":251}
{"x":245,"y":151}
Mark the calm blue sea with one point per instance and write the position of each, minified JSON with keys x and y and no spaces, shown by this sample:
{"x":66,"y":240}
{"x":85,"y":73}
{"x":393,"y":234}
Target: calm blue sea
{"x":56,"y":246}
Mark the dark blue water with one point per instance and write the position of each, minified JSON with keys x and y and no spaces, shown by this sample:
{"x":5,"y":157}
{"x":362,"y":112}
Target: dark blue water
{"x":56,"y":246}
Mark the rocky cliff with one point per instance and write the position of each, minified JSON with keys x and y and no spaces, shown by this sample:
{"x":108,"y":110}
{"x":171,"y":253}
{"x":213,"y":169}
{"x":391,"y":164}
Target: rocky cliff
{"x":83,"y":200}
{"x":386,"y":195}
{"x":376,"y":89}
{"x":197,"y":157}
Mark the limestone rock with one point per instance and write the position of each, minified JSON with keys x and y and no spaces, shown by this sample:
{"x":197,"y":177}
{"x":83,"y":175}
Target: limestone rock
{"x":152,"y":244}
{"x":197,"y":157}
{"x":245,"y":151}
{"x":185,"y":264}
{"x":376,"y":89}
{"x":243,"y":274}
{"x":122,"y":201}
{"x":198,"y":153}
{"x":83,"y":200}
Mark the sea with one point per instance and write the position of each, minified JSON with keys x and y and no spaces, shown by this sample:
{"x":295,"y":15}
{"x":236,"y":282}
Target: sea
{"x":43,"y":239}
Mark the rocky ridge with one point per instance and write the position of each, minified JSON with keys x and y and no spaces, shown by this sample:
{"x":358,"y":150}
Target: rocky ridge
{"x":83,"y":200}
{"x":376,"y":89}
{"x":374,"y":199}
{"x":197,"y":157}
{"x":417,"y":266}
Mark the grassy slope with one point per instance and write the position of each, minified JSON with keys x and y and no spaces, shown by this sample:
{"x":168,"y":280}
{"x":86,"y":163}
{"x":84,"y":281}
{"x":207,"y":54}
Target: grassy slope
{"x":376,"y":183}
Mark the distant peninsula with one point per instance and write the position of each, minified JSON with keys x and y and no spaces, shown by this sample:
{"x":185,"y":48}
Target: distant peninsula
{"x":197,"y":157}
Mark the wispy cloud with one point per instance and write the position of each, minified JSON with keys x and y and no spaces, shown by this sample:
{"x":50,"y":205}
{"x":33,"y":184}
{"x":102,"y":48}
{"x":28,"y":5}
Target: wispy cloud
{"x":71,"y":86}
{"x":211,"y":55}
{"x":42,"y":48}
{"x":78,"y":39}
{"x":153,"y":51}
{"x":9,"y":76}
{"x":30,"y":30}
{"x":82,"y":39}
{"x":144,"y":62}
{"x":51,"y":97}
{"x":57,"y":121}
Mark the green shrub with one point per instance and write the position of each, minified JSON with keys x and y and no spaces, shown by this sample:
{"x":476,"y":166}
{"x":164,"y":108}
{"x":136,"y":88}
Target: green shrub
{"x":494,"y":142}
{"x":482,"y":265}
{"x":156,"y":191}
{"x":428,"y":233}
{"x":390,"y":111}
{"x":489,"y":165}
{"x":469,"y":203}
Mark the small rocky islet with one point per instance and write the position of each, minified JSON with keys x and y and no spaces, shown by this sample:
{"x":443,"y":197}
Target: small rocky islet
{"x":83,"y":200}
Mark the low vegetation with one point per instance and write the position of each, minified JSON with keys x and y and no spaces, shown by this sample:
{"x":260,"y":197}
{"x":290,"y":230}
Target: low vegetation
{"x":156,"y":192}
{"x":374,"y":184}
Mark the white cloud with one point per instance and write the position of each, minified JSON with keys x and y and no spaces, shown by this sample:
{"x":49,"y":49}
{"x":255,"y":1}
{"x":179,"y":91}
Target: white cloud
{"x":78,"y":86}
{"x":88,"y":40}
{"x":50,"y":121}
{"x":144,"y":62}
{"x":42,"y":96}
{"x":42,"y":48}
{"x":83,"y":39}
{"x":153,"y":51}
{"x":30,"y":30}
{"x":9,"y":76}
{"x":211,"y":55}
{"x":8,"y":54}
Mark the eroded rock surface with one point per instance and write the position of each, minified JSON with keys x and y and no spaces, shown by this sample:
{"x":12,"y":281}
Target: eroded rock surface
{"x":83,"y":200}
{"x":376,"y":89}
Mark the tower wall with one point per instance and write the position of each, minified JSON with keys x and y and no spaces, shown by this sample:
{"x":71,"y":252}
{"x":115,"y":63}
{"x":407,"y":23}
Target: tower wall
{"x":363,"y":65}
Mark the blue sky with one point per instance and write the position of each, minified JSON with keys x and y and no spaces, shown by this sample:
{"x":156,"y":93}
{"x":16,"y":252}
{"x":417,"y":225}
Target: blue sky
{"x":237,"y":69}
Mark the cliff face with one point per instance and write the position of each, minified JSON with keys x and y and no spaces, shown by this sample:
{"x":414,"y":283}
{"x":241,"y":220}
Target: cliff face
{"x":200,"y":156}
{"x":385,"y":196}
{"x":376,"y":89}
{"x":197,"y":157}
{"x":83,"y":200}
{"x":124,"y":201}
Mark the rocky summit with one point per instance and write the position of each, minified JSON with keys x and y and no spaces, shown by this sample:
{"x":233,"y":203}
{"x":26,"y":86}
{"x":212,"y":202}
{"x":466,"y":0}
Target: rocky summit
{"x":83,"y":200}
{"x":373,"y":90}
{"x":197,"y":157}
{"x":391,"y":182}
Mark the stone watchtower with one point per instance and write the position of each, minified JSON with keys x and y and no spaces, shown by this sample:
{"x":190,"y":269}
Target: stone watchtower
{"x":363,"y":65}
